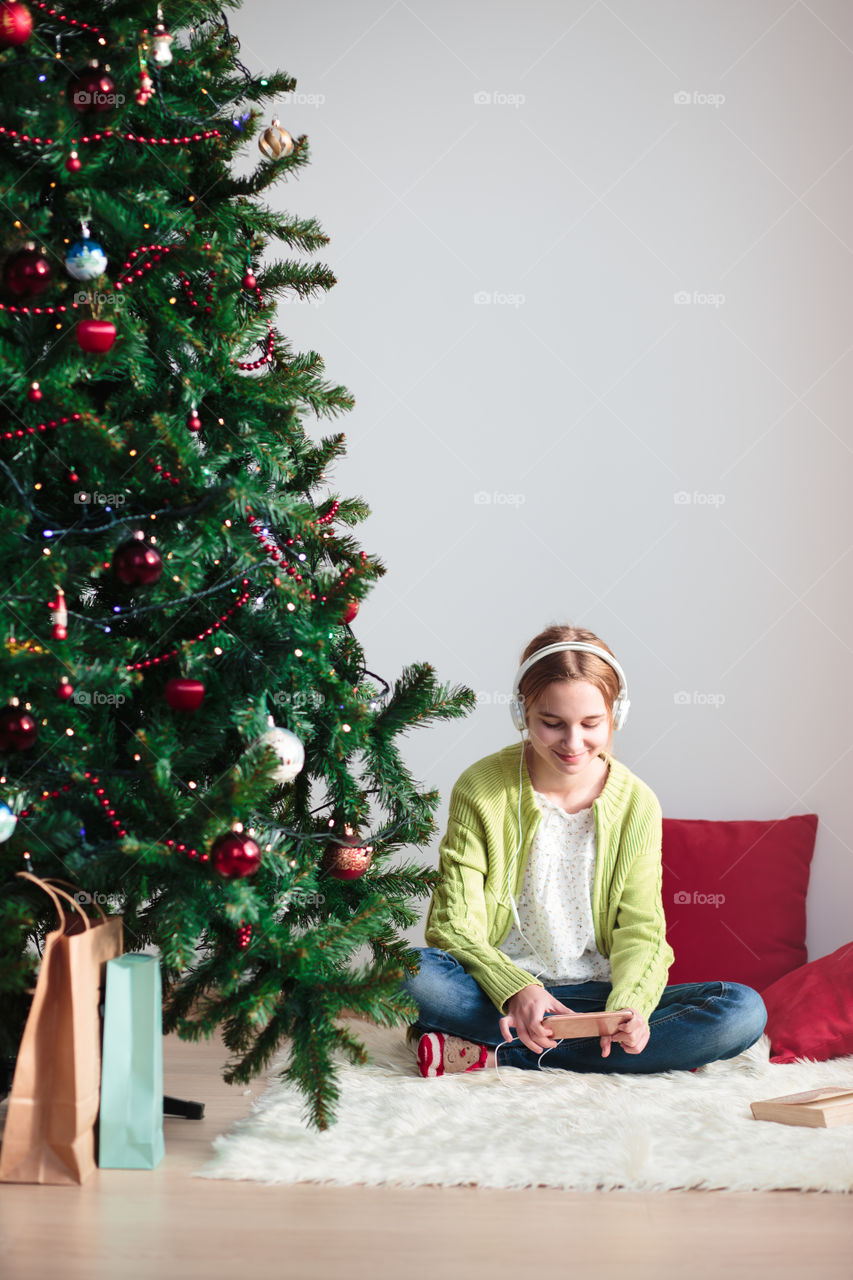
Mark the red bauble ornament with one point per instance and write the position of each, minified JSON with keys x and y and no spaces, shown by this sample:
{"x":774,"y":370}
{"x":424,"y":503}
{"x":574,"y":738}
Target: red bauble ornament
{"x":16,"y":24}
{"x":92,"y":91}
{"x":26,"y":272}
{"x":73,"y":163}
{"x":137,"y":564}
{"x":18,"y":729}
{"x":35,"y":392}
{"x":351,"y":610}
{"x":249,"y":281}
{"x":347,"y":860}
{"x":184,"y":695}
{"x":64,"y":689}
{"x":194,"y":422}
{"x":235,"y":855}
{"x":96,"y":335}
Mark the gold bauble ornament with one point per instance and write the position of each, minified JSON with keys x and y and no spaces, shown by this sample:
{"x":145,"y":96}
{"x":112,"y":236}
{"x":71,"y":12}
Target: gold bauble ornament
{"x":276,"y":142}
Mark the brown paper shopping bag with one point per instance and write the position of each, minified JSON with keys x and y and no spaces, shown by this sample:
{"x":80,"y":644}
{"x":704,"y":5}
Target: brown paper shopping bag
{"x":50,"y":1122}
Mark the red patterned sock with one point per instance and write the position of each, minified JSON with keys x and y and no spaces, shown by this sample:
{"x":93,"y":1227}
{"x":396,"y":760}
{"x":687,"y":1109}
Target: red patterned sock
{"x":440,"y":1054}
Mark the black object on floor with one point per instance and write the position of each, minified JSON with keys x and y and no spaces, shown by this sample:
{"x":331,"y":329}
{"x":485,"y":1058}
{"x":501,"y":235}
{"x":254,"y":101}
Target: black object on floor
{"x":180,"y":1107}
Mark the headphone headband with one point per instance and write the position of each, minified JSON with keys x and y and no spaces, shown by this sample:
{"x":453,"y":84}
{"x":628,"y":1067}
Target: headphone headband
{"x":620,"y":706}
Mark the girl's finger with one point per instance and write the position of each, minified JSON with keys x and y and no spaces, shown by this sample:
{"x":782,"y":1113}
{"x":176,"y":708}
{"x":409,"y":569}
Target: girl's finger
{"x":605,"y":1046}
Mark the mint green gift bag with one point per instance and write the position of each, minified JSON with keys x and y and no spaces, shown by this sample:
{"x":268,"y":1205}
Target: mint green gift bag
{"x":130,"y":1121}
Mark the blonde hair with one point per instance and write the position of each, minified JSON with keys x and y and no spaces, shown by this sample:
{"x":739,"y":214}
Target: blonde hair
{"x":569,"y":664}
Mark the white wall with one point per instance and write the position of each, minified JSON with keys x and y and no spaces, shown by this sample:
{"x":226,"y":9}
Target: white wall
{"x":584,"y":398}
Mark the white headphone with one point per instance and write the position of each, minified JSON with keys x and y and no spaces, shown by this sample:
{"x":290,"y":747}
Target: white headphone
{"x":516,"y":710}
{"x":620,"y":706}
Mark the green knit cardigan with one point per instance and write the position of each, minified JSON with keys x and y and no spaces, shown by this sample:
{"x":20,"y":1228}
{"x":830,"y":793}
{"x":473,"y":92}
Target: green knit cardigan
{"x":470,"y":915}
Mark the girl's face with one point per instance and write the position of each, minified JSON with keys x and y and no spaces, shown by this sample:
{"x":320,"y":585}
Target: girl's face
{"x":569,"y":724}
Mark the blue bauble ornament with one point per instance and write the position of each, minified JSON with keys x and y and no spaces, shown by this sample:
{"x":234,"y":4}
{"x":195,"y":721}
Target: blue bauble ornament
{"x":85,"y":260}
{"x":8,"y":822}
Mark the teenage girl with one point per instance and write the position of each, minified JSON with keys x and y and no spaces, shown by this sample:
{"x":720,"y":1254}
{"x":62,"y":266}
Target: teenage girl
{"x":549,"y":899}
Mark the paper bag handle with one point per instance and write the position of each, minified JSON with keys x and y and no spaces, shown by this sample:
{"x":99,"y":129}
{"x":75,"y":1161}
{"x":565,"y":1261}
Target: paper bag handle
{"x":52,"y":892}
{"x":54,"y":880}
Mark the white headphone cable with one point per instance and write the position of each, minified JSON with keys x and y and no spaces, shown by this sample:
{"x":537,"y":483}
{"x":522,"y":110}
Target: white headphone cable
{"x":518,"y":923}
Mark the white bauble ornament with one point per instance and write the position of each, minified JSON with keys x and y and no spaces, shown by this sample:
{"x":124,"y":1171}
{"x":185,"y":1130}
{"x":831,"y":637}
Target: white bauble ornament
{"x":287,"y":747}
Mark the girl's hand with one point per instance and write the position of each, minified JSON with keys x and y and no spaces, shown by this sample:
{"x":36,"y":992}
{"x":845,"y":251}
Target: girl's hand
{"x":633,"y":1034}
{"x":526,"y":1010}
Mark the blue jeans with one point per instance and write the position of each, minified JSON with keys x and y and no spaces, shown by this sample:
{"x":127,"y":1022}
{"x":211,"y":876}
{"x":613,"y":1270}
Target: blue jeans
{"x":694,"y":1023}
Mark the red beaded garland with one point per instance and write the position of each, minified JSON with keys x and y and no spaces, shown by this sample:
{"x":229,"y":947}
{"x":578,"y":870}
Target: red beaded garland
{"x":74,"y":22}
{"x":112,"y":133}
{"x":330,"y":515}
{"x":172,"y":653}
{"x":265,"y":358}
{"x":182,"y":848}
{"x":163,"y":473}
{"x":99,"y":792}
{"x":45,"y":795}
{"x":42,"y":426}
{"x":104,"y":802}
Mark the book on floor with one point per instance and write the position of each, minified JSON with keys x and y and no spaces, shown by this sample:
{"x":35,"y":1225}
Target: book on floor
{"x":819,"y":1108}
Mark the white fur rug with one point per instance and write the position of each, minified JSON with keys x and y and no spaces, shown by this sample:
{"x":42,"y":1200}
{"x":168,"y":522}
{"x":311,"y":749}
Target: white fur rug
{"x":550,"y":1128}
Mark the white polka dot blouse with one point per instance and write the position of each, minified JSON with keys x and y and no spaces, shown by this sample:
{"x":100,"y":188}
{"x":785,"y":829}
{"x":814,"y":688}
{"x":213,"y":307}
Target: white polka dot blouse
{"x":555,"y":903}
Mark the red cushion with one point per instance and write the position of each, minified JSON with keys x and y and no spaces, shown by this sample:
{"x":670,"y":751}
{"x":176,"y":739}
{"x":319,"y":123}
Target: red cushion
{"x":810,"y":1011}
{"x":734,"y":897}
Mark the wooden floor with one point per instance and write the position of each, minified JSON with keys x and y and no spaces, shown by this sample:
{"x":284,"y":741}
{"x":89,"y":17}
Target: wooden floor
{"x":166,"y":1224}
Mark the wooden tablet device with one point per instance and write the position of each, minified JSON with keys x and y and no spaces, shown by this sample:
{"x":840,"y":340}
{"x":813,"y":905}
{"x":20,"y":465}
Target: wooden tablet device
{"x":574,"y":1026}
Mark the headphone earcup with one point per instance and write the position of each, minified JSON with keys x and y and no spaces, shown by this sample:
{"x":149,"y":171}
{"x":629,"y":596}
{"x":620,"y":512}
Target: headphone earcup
{"x":516,"y":710}
{"x":620,"y":712}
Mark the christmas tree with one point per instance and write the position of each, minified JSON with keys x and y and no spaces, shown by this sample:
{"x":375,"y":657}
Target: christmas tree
{"x":188,"y":729}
